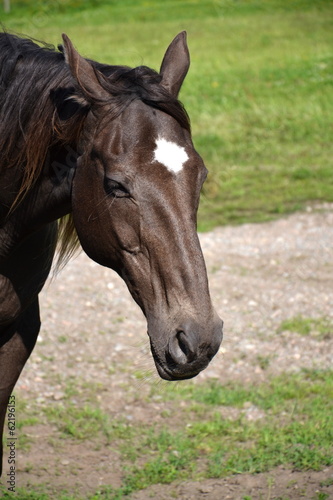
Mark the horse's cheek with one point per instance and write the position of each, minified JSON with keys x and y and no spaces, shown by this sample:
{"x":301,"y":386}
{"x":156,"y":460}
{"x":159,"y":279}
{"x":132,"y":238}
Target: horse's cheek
{"x":126,"y":226}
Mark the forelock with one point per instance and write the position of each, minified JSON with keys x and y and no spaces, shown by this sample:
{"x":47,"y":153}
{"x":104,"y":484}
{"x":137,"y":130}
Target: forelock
{"x":125,"y":85}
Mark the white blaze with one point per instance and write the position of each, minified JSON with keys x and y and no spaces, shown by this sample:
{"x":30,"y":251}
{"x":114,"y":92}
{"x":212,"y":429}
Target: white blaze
{"x":170,"y":155}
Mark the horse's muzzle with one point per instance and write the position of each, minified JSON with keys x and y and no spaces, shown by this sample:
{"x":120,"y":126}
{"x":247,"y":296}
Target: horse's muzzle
{"x":188,"y":351}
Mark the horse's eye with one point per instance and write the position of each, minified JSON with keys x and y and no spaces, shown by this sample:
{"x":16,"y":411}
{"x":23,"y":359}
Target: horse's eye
{"x":115,"y":189}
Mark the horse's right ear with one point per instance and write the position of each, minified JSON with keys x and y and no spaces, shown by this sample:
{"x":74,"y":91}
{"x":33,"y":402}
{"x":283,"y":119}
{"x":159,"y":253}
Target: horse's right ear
{"x":175,"y":64}
{"x":83,"y":72}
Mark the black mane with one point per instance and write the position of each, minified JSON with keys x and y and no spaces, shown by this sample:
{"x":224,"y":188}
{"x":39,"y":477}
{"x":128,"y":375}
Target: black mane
{"x":122,"y":83}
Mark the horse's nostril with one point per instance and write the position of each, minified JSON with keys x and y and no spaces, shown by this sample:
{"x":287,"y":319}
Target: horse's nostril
{"x":181,"y":349}
{"x":185,"y":346}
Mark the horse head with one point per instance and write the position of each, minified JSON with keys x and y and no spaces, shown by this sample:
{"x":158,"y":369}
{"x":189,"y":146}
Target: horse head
{"x":135,"y":196}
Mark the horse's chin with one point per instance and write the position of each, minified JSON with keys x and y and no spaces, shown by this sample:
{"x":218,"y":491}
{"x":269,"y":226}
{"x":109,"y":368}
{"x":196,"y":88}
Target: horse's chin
{"x":173,"y":372}
{"x":173,"y":376}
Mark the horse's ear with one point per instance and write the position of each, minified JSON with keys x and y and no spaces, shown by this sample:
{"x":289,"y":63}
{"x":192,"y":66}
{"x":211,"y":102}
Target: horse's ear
{"x":175,"y":64}
{"x":82,"y":71}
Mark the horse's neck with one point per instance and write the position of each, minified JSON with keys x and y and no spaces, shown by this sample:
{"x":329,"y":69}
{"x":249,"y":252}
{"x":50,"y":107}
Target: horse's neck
{"x":47,"y":200}
{"x":50,"y":198}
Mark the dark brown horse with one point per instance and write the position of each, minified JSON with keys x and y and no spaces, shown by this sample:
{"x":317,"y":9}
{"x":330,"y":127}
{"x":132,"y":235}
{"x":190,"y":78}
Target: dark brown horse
{"x":106,"y":150}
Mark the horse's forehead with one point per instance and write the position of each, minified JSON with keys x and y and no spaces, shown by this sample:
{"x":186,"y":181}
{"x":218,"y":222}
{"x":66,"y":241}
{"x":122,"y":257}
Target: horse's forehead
{"x":158,"y":136}
{"x":170,"y":154}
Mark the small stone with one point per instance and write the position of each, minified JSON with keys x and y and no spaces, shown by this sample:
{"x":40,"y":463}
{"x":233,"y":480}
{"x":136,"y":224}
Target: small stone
{"x":58,"y":395}
{"x":206,"y":489}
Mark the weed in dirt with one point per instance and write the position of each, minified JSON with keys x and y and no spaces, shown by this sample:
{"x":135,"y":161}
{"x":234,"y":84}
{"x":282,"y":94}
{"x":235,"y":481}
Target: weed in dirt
{"x":85,"y":422}
{"x":78,"y":423}
{"x":27,"y":417}
{"x":23,"y":494}
{"x":320,"y":328}
{"x":38,"y":494}
{"x":326,"y":483}
{"x":264,"y":361}
{"x":321,"y":496}
{"x":104,"y":493}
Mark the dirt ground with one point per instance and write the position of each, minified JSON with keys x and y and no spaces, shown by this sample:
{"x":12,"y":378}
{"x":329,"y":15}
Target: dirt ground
{"x":260,"y":275}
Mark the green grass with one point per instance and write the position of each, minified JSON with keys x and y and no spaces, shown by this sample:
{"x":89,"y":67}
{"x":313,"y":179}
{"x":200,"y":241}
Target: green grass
{"x":296,"y":408}
{"x":295,"y":430}
{"x":259,"y":91}
{"x":320,"y":328}
{"x":79,"y":423}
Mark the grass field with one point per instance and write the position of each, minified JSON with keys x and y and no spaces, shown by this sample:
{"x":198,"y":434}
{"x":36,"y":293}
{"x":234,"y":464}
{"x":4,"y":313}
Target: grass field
{"x":203,"y":442}
{"x":259,"y":91}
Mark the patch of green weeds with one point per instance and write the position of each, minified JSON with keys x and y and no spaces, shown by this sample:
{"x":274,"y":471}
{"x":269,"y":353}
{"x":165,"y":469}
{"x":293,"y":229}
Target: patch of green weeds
{"x":77,"y":422}
{"x":264,"y":361}
{"x":321,"y":495}
{"x":320,"y":328}
{"x":36,"y":493}
{"x":22,"y":494}
{"x":86,"y":422}
{"x":24,"y":416}
{"x":326,"y":482}
{"x":73,"y":387}
{"x":118,"y":320}
{"x":295,"y":430}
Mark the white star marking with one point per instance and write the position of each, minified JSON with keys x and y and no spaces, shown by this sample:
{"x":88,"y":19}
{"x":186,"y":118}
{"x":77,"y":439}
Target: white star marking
{"x":170,"y":155}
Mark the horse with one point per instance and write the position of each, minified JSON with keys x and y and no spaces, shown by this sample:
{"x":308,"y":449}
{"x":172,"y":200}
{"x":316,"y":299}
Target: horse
{"x":101,"y":157}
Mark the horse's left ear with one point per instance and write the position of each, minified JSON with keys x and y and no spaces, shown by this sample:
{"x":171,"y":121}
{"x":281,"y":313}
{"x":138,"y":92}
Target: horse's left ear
{"x":83,"y":72}
{"x":175,"y":64}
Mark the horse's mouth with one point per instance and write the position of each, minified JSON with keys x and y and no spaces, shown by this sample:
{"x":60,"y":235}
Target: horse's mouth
{"x":173,"y":372}
{"x":180,"y":359}
{"x":172,"y":375}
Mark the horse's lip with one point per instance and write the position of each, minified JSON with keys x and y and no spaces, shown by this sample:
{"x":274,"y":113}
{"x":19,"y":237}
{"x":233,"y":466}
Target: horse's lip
{"x":169,"y":375}
{"x":164,"y":374}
